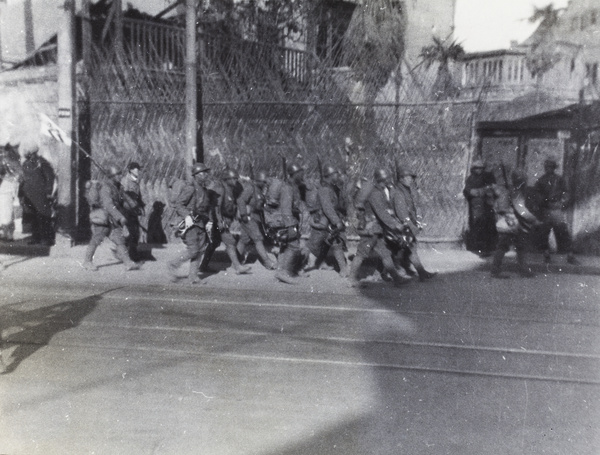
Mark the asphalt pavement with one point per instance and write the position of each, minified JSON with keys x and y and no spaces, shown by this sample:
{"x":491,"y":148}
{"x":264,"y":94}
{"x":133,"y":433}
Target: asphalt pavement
{"x":63,"y":263}
{"x":117,"y":362}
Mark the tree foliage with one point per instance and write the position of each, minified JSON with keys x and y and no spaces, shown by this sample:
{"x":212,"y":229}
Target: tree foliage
{"x":374,"y":42}
{"x":543,"y":53}
{"x":442,"y":53}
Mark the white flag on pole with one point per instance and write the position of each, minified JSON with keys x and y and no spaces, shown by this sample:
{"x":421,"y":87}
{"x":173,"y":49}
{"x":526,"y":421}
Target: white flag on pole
{"x":49,"y":128}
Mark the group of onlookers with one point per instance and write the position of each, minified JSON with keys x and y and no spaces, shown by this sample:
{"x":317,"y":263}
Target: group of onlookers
{"x":504,"y":210}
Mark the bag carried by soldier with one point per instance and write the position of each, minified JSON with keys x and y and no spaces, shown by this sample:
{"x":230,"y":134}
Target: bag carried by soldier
{"x":272,"y":215}
{"x":98,"y":215}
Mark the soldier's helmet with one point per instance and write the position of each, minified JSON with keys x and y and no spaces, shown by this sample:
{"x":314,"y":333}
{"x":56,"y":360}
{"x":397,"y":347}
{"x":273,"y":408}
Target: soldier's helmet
{"x":518,"y":177}
{"x":261,"y":177}
{"x":381,"y":175}
{"x":113,"y":171}
{"x":329,"y":171}
{"x":199,"y":167}
{"x":293,"y":168}
{"x":477,"y":164}
{"x":231,"y":174}
{"x":403,"y":172}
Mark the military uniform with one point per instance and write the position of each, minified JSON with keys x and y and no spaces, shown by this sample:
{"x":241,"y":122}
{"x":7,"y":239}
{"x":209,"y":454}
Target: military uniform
{"x":286,"y":210}
{"x":250,"y":208}
{"x":134,"y":206}
{"x":112,"y":203}
{"x":226,"y":210}
{"x":511,"y":205}
{"x":406,"y":211}
{"x":327,"y":222}
{"x":194,"y":215}
{"x":379,"y":219}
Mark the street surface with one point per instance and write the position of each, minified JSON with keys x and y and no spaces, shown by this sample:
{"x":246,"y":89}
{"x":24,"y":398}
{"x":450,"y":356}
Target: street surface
{"x":117,"y":363}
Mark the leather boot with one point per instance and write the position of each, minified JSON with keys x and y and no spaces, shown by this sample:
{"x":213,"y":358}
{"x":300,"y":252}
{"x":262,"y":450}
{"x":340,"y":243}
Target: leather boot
{"x":340,"y":258}
{"x":235,"y":262}
{"x":264,"y":256}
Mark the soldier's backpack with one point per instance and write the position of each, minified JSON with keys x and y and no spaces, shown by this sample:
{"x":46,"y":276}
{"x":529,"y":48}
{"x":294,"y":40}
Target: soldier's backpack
{"x":98,"y":215}
{"x":311,"y":198}
{"x":175,"y":188}
{"x":92,"y":193}
{"x":272,"y":215}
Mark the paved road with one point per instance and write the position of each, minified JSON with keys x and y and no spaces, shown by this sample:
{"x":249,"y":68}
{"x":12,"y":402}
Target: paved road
{"x":460,"y":365}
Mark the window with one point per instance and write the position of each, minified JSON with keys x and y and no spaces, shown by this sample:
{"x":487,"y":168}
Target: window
{"x":333,"y":21}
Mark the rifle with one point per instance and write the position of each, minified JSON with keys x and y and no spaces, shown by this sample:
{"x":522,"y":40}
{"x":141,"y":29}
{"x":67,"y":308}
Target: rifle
{"x":284,"y":166}
{"x":320,"y":166}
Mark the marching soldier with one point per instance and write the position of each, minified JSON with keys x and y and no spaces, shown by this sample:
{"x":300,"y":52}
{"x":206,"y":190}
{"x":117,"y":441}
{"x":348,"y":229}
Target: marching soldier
{"x":113,"y":222}
{"x":515,"y":223}
{"x":327,"y":222}
{"x":226,"y":209}
{"x":193,"y":207}
{"x":406,"y":211}
{"x":250,"y":207}
{"x":134,"y":206}
{"x":379,"y":222}
{"x":282,"y":216}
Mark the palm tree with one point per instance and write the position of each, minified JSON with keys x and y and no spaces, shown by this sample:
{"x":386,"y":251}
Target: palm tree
{"x":543,"y":54}
{"x":442,"y":53}
{"x":373,"y":47}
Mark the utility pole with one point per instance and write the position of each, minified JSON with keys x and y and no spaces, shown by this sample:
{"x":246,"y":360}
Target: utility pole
{"x":29,"y":40}
{"x":193,"y":129}
{"x":66,"y":166}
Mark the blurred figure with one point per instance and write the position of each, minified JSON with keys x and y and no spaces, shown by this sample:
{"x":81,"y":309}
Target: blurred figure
{"x":108,"y":220}
{"x":226,"y":210}
{"x":554,"y":197}
{"x":282,"y":218}
{"x":250,"y":207}
{"x":328,"y":222}
{"x":9,"y":190}
{"x":133,"y":206}
{"x":479,"y":192}
{"x":515,"y":221}
{"x":38,"y":193}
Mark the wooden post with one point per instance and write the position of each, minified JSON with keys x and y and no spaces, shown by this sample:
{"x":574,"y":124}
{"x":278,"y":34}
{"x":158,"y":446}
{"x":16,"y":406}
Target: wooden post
{"x":29,"y":40}
{"x":66,"y":102}
{"x":191,"y":88}
{"x":118,"y":24}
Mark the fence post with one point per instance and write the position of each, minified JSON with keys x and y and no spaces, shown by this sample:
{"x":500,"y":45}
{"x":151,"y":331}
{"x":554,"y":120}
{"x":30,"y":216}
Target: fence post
{"x":66,"y":167}
{"x":191,"y":89}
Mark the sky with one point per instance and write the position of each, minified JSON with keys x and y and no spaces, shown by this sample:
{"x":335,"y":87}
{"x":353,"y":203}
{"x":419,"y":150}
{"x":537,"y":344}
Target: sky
{"x":483,"y":25}
{"x":479,"y":24}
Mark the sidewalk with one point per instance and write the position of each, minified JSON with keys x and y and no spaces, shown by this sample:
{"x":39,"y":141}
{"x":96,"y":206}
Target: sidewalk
{"x":62,"y":264}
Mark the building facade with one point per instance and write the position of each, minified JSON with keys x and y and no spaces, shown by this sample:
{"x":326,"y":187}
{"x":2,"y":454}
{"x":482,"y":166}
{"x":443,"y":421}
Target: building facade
{"x":568,"y":51}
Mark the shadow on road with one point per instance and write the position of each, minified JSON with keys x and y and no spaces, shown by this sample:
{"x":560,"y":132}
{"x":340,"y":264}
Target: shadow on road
{"x":30,"y":330}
